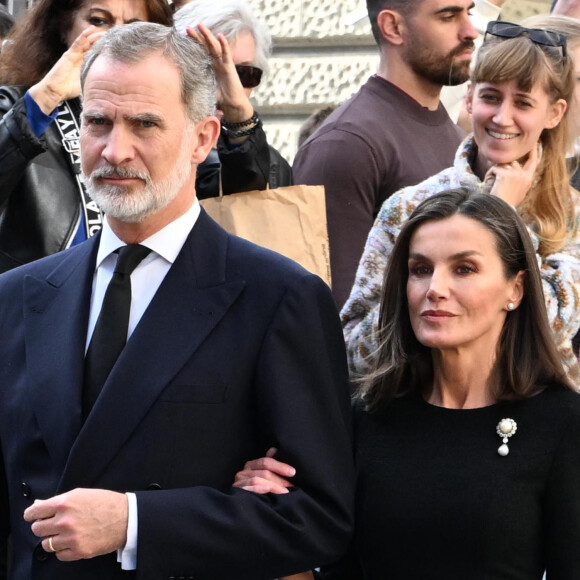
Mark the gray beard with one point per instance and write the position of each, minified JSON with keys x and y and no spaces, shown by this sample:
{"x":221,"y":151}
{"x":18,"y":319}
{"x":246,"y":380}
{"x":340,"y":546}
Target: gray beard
{"x":133,"y":205}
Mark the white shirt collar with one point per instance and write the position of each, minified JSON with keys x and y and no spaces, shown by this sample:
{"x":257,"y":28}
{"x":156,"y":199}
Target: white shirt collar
{"x":167,"y":242}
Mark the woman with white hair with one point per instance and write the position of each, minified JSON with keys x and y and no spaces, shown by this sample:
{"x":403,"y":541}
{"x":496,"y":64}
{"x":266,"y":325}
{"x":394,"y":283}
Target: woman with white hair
{"x":240,"y":46}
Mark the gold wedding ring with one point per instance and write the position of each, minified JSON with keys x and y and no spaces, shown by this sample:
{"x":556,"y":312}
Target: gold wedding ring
{"x":50,"y":544}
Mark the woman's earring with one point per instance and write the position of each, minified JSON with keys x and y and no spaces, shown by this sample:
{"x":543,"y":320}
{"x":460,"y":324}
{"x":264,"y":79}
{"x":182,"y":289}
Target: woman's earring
{"x":510,"y":306}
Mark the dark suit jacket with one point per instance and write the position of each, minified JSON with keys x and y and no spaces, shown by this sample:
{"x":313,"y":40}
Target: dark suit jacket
{"x":239,"y":350}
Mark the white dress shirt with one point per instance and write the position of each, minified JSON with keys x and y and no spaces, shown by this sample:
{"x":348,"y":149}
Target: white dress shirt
{"x":147,"y":277}
{"x":145,"y":281}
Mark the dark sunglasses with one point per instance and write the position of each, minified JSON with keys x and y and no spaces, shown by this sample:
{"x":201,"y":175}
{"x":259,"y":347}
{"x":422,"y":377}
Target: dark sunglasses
{"x":250,"y":76}
{"x":536,"y":35}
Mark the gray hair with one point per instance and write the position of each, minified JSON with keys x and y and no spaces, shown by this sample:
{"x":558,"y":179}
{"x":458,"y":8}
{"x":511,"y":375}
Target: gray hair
{"x":231,"y":18}
{"x":134,"y":42}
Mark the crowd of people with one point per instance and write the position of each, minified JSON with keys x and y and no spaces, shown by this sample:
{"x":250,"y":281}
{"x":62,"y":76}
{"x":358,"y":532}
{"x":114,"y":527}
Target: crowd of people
{"x":177,"y":402}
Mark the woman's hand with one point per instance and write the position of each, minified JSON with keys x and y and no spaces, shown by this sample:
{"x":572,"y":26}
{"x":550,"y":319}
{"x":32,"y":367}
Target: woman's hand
{"x":232,"y":99}
{"x":63,"y":80}
{"x":512,"y":181}
{"x":265,"y":475}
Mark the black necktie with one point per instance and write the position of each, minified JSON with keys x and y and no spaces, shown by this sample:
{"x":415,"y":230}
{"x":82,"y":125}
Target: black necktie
{"x":110,"y":334}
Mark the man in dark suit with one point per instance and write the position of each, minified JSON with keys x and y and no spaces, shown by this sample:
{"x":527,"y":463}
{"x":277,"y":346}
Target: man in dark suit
{"x":232,"y":349}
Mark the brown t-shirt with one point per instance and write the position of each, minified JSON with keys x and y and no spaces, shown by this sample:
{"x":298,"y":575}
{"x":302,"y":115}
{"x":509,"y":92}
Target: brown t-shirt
{"x":373,"y":145}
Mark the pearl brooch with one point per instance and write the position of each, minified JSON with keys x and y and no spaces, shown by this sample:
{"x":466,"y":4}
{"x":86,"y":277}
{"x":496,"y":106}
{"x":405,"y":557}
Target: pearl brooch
{"x":505,"y":429}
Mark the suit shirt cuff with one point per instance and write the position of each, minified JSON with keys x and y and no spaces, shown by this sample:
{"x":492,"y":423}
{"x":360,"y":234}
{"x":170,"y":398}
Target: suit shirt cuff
{"x":127,"y":556}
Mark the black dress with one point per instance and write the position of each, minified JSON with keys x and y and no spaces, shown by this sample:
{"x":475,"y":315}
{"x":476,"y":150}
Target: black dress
{"x":435,"y":500}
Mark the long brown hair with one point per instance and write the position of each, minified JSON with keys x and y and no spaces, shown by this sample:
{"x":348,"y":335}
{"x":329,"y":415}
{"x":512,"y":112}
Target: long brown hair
{"x":549,"y":207}
{"x":570,"y":28}
{"x":526,"y":360}
{"x":38,"y":40}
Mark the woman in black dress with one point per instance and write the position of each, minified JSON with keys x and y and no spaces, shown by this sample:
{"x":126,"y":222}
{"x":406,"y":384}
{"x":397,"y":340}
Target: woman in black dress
{"x":467,"y":434}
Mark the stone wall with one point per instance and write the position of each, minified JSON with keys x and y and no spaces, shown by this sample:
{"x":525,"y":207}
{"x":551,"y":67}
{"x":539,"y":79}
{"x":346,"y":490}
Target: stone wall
{"x":323,"y":51}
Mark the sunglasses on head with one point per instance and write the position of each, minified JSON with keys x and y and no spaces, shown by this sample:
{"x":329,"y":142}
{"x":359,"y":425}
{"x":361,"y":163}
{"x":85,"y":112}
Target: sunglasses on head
{"x":250,"y":76}
{"x":536,"y":35}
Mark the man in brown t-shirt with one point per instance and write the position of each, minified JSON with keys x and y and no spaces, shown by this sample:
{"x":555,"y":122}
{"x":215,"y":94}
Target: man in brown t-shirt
{"x":394,"y":132}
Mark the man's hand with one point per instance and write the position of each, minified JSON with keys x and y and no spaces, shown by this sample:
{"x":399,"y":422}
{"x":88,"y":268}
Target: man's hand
{"x":79,"y":524}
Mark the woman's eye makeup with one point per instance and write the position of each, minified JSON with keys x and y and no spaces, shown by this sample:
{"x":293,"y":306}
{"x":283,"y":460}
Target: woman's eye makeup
{"x":99,"y":18}
{"x":423,"y":269}
{"x":419,"y":268}
{"x":96,"y":21}
{"x":466,"y":269}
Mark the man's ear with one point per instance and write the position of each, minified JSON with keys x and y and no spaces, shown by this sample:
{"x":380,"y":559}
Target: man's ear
{"x":207,"y":132}
{"x":392,"y":26}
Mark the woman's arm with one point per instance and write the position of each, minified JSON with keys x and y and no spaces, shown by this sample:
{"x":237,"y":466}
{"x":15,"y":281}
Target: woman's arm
{"x":246,"y":160}
{"x":19,"y":145}
{"x":560,"y":273}
{"x":267,"y":475}
{"x":63,"y":80}
{"x":232,"y":100}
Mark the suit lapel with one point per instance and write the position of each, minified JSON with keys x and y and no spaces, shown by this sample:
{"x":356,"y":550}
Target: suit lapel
{"x":190,"y":302}
{"x":56,"y":312}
